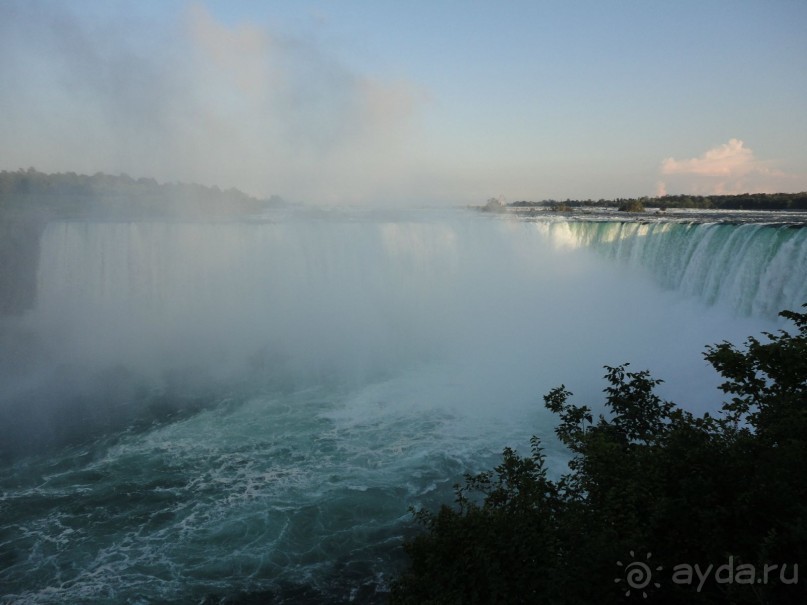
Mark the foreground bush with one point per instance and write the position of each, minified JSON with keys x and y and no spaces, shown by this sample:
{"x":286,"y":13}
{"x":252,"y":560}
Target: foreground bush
{"x":658,"y":504}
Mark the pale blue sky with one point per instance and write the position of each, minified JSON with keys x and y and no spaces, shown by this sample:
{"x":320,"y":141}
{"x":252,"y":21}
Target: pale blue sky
{"x":422,"y":102}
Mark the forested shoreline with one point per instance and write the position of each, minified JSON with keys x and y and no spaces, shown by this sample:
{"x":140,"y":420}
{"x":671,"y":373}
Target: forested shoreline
{"x":743,"y":201}
{"x":29,"y":199}
{"x":30,"y":193}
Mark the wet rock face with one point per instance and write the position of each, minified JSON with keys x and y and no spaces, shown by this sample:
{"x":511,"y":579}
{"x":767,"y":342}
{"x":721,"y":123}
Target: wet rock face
{"x":19,"y":258}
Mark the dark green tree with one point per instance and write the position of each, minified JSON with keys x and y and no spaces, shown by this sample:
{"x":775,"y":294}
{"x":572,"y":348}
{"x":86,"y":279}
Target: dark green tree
{"x":648,"y":482}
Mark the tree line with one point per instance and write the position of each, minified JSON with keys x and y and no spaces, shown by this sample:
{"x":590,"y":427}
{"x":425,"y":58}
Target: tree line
{"x":30,"y":198}
{"x":744,"y":201}
{"x":71,"y":195}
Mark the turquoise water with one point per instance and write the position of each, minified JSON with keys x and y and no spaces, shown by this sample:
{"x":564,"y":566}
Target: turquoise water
{"x":244,"y":412}
{"x":261,"y":494}
{"x":753,"y":269}
{"x":289,"y":494}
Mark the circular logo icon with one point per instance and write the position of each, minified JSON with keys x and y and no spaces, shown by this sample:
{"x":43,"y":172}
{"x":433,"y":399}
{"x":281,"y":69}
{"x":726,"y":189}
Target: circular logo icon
{"x":638,"y":575}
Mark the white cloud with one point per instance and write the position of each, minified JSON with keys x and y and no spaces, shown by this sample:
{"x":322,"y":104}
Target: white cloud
{"x":725,"y":169}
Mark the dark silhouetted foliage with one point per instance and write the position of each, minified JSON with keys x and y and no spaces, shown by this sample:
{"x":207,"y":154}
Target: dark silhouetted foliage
{"x":648,"y":484}
{"x":632,"y":206}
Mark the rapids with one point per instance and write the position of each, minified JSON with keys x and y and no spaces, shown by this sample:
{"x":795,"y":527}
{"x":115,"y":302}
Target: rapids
{"x":219,"y":412}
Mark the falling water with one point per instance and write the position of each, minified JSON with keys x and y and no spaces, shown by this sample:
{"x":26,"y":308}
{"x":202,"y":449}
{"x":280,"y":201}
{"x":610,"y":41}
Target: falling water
{"x":219,"y":410}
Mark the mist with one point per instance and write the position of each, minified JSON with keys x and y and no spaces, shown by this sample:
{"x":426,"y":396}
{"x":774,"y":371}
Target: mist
{"x":215,"y":396}
{"x":201,"y":397}
{"x":484,"y":315}
{"x":195,"y":100}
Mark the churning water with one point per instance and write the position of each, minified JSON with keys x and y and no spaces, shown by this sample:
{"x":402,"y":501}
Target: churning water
{"x":219,"y":412}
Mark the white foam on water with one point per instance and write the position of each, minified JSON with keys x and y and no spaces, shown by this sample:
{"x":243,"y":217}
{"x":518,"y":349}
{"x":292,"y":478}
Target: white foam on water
{"x":366,"y":362}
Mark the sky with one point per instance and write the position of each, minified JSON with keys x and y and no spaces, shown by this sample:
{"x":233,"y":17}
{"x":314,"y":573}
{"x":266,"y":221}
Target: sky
{"x":418,"y":102}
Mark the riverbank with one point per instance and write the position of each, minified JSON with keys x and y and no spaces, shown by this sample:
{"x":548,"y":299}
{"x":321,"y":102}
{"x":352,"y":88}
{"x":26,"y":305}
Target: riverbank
{"x":655,"y":215}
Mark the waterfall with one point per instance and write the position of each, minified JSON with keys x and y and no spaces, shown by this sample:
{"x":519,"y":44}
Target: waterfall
{"x":339,"y":370}
{"x":752,"y":269}
{"x":356,"y":296}
{"x":351,"y":297}
{"x":311,"y":296}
